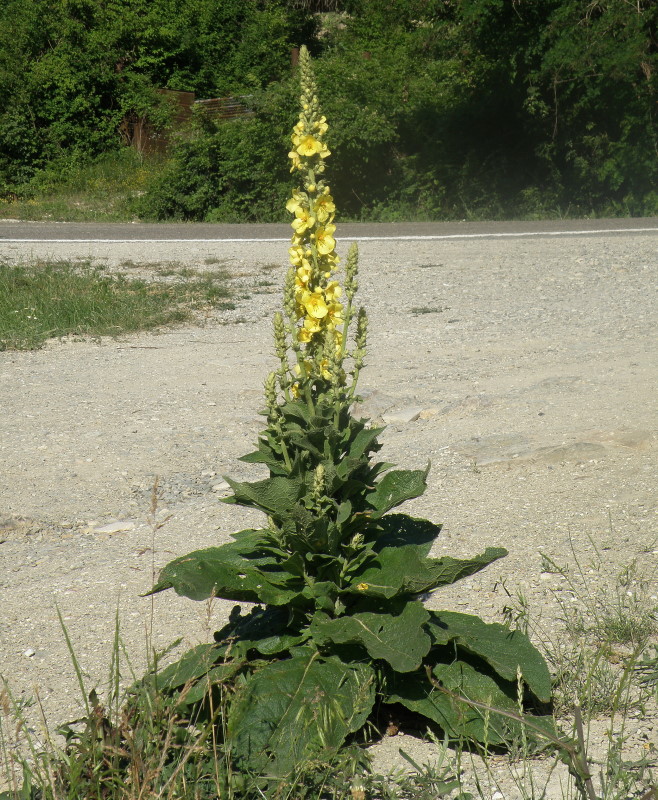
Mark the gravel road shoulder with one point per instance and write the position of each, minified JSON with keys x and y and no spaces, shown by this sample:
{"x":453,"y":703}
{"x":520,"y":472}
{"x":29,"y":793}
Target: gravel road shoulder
{"x":525,"y":370}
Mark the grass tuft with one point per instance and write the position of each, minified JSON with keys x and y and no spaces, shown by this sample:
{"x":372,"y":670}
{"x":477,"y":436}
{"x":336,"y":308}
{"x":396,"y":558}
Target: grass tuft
{"x":42,"y":300}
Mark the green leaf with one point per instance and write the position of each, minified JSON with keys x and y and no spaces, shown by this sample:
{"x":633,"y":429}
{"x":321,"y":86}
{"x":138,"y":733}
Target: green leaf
{"x":401,"y":529}
{"x":193,"y":665}
{"x":273,"y":495}
{"x":262,"y":629}
{"x":364,"y":441}
{"x":269,"y":453}
{"x":400,"y":566}
{"x":294,"y":710}
{"x":225,"y":572}
{"x":396,"y":487}
{"x":504,"y":650}
{"x":399,"y":639}
{"x":447,"y":570}
{"x":446,"y":706}
{"x":394,"y":571}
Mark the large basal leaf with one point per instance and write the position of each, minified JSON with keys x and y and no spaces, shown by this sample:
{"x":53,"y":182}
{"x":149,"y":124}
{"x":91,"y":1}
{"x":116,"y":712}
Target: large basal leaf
{"x":504,"y":650}
{"x":399,"y":530}
{"x":262,"y":629}
{"x":460,"y":705}
{"x":399,"y":639}
{"x":190,"y":667}
{"x":218,"y":572}
{"x":297,"y":709}
{"x":393,"y":571}
{"x":273,"y":495}
{"x":447,"y":570}
{"x":400,"y":566}
{"x":396,"y":487}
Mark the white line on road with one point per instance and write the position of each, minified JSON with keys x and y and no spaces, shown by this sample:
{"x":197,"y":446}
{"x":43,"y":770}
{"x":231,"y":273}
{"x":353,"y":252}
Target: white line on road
{"x":349,"y":238}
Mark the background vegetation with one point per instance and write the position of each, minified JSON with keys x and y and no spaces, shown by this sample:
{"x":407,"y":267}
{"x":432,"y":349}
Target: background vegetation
{"x":439,"y":108}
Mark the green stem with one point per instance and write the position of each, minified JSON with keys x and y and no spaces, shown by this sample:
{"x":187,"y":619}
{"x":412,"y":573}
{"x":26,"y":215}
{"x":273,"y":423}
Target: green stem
{"x":284,"y":449}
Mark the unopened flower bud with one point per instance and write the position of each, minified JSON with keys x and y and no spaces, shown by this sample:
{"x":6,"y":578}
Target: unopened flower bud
{"x":270,"y":396}
{"x":319,"y":485}
{"x":351,"y":271}
{"x":280,"y":344}
{"x":360,"y":338}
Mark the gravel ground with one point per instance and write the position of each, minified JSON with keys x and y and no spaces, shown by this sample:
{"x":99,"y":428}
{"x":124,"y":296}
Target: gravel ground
{"x":525,"y":370}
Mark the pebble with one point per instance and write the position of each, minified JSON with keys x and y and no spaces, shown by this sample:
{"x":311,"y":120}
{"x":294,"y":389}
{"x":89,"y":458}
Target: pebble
{"x":116,"y":527}
{"x":30,"y":652}
{"x":402,"y":415}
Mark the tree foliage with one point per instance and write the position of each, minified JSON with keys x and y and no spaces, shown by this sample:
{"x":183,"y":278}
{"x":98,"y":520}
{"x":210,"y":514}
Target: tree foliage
{"x":72,"y":70}
{"x":450,"y":108}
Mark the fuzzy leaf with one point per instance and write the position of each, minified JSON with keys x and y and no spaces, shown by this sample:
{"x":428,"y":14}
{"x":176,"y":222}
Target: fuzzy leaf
{"x":457,"y":718}
{"x":365,"y":441}
{"x":396,"y":487}
{"x":293,"y":710}
{"x":504,"y":650}
{"x":223,"y":572}
{"x":446,"y":570}
{"x":262,"y":629}
{"x":393,"y":571}
{"x":193,"y":665}
{"x":398,"y":639}
{"x":268,"y":453}
{"x":400,"y":566}
{"x":401,"y":529}
{"x":273,"y":495}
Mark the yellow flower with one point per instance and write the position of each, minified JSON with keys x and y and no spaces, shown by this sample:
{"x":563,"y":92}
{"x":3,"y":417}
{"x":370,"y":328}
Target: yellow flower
{"x":296,"y":161}
{"x":321,"y":126}
{"x":315,"y":305}
{"x":296,"y":253}
{"x":334,"y":316}
{"x":362,"y":587}
{"x":307,"y":145}
{"x":324,"y":207}
{"x":303,"y":220}
{"x":333,"y":291}
{"x":324,"y":241}
{"x":295,"y":202}
{"x":302,"y":276}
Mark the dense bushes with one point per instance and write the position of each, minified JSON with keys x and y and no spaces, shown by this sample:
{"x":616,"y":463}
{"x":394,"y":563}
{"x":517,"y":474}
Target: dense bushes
{"x":457,"y":108}
{"x":71,"y":70}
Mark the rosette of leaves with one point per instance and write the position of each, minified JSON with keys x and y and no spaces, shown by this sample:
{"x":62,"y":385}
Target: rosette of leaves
{"x":336,"y":577}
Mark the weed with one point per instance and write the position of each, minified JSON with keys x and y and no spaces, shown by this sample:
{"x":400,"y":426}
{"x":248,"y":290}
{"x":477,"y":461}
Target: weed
{"x":624,"y":615}
{"x":104,"y":190}
{"x":418,"y":310}
{"x":41,"y":300}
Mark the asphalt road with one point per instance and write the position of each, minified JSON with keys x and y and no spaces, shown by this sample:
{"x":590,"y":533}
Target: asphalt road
{"x":14,"y":230}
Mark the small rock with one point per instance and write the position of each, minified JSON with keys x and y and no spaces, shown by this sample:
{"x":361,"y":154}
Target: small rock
{"x":116,"y":527}
{"x":373,"y":404}
{"x":402,"y":415}
{"x":30,"y":652}
{"x":222,"y":486}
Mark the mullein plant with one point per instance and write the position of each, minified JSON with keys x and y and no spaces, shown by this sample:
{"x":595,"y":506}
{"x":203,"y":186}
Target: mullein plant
{"x":336,"y":628}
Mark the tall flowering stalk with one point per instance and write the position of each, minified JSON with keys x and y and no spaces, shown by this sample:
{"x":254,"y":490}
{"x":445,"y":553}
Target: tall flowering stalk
{"x":316,"y":319}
